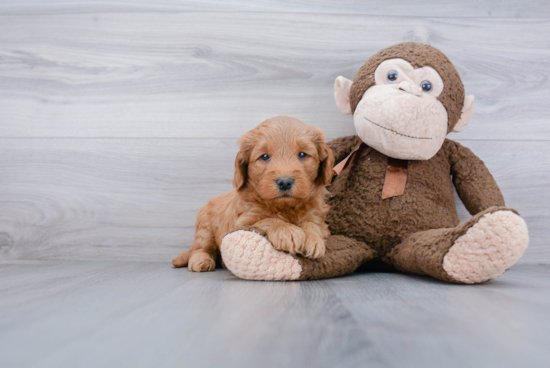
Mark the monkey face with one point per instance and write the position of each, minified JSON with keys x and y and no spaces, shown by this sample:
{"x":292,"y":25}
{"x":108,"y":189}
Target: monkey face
{"x":404,"y":100}
{"x":400,"y":114}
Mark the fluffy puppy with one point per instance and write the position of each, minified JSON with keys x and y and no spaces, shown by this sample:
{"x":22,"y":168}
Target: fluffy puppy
{"x":281,"y":172}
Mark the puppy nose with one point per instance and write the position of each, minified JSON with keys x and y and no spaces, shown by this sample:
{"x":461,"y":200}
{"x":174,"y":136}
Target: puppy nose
{"x":410,"y":88}
{"x":284,"y":183}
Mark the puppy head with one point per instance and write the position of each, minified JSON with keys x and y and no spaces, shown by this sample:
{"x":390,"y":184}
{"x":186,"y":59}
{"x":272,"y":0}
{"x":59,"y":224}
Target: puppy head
{"x":283,"y":161}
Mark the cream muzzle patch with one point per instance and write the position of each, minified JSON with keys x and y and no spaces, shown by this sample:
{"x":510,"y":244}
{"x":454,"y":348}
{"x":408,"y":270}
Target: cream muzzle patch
{"x":400,"y":115}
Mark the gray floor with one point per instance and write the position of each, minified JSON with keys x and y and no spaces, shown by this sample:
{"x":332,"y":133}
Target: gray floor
{"x":116,"y":314}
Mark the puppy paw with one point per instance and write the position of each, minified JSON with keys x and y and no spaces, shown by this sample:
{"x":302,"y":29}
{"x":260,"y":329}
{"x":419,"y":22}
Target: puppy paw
{"x":314,"y":247}
{"x":201,"y":262}
{"x":287,"y":237}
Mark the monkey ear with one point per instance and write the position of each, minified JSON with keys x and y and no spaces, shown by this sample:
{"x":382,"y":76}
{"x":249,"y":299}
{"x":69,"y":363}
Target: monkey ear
{"x":241,"y":162}
{"x":342,"y":87}
{"x":466,"y":115}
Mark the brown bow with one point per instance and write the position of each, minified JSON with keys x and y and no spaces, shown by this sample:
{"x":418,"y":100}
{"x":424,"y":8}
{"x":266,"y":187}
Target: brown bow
{"x":396,"y":172}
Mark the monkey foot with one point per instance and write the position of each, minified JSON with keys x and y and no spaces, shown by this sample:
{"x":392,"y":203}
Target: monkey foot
{"x":488,"y":248}
{"x":249,"y":255}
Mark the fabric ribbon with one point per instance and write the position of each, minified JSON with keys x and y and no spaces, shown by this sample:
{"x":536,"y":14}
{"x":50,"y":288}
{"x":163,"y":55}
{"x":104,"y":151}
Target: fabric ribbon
{"x":357,"y":152}
{"x":396,"y":178}
{"x":396,"y":172}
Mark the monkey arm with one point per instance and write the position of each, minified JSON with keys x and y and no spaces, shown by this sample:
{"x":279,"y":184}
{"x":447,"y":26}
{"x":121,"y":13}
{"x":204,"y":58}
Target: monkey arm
{"x":474,"y":183}
{"x":341,"y":147}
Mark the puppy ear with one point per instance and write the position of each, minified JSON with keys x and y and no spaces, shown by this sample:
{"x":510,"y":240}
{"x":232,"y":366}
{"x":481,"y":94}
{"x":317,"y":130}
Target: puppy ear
{"x":326,"y":158}
{"x":241,"y":161}
{"x":325,"y":167}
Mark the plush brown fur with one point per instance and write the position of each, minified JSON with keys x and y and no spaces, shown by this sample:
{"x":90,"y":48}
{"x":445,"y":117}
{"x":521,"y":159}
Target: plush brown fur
{"x":428,"y":203}
{"x":358,"y":211}
{"x":294,"y":220}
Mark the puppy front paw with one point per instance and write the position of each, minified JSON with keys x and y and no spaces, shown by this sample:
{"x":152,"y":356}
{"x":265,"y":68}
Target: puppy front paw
{"x":314,"y":247}
{"x":201,"y":262}
{"x":287,"y":237}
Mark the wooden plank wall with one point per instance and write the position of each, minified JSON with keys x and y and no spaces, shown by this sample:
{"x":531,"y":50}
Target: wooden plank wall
{"x":118,"y":119}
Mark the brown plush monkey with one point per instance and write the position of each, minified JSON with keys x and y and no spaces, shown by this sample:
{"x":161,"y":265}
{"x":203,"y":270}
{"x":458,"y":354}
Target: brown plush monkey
{"x":392,"y":201}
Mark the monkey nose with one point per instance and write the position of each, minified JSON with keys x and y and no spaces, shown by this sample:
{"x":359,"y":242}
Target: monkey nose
{"x":410,"y":88}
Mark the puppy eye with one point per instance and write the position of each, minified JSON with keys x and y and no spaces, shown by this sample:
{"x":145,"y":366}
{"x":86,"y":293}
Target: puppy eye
{"x":265,"y":157}
{"x":392,"y":76}
{"x":426,"y":86}
{"x":302,"y":155}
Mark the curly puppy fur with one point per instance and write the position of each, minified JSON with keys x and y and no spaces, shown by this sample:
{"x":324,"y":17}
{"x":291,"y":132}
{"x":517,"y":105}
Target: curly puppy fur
{"x":292,"y":217}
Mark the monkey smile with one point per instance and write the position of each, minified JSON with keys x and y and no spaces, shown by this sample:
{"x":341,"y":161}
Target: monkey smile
{"x":393,"y":131}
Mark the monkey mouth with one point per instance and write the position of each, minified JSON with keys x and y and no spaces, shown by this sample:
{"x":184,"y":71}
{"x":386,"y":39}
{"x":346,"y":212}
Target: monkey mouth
{"x":393,"y":131}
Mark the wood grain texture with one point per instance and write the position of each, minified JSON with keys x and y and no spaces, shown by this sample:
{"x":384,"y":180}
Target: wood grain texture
{"x":138,"y":314}
{"x":136,"y":199}
{"x":217,"y":74}
{"x":118,"y":118}
{"x":109,"y":198}
{"x":425,"y":8}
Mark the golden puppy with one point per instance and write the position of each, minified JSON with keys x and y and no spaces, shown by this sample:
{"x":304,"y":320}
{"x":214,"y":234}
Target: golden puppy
{"x":281,"y":172}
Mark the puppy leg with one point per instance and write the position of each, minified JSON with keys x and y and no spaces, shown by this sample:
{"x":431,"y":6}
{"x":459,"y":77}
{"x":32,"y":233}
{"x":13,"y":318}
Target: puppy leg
{"x":283,"y":235}
{"x":201,"y":261}
{"x":201,"y":256}
{"x":314,"y":246}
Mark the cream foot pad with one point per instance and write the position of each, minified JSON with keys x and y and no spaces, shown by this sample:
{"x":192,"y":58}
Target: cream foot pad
{"x":490,"y":247}
{"x":250,"y":256}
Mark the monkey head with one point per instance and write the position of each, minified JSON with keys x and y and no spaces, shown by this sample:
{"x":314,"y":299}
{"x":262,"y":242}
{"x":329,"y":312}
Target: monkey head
{"x":405,"y":99}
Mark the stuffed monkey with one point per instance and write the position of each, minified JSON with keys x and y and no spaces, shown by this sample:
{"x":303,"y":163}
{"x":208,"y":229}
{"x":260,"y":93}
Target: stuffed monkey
{"x":392,"y":200}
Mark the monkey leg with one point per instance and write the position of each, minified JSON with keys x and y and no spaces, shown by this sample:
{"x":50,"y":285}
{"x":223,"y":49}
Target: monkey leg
{"x":248,"y":254}
{"x":475,"y":251}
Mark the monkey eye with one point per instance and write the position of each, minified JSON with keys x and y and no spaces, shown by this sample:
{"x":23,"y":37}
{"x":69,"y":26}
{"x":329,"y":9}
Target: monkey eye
{"x":392,"y":76}
{"x":426,"y":86}
{"x":302,"y":155}
{"x":265,"y":157}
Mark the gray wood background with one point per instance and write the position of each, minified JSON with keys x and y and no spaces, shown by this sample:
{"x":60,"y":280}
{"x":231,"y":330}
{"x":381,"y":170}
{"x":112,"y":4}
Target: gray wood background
{"x":118,"y":119}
